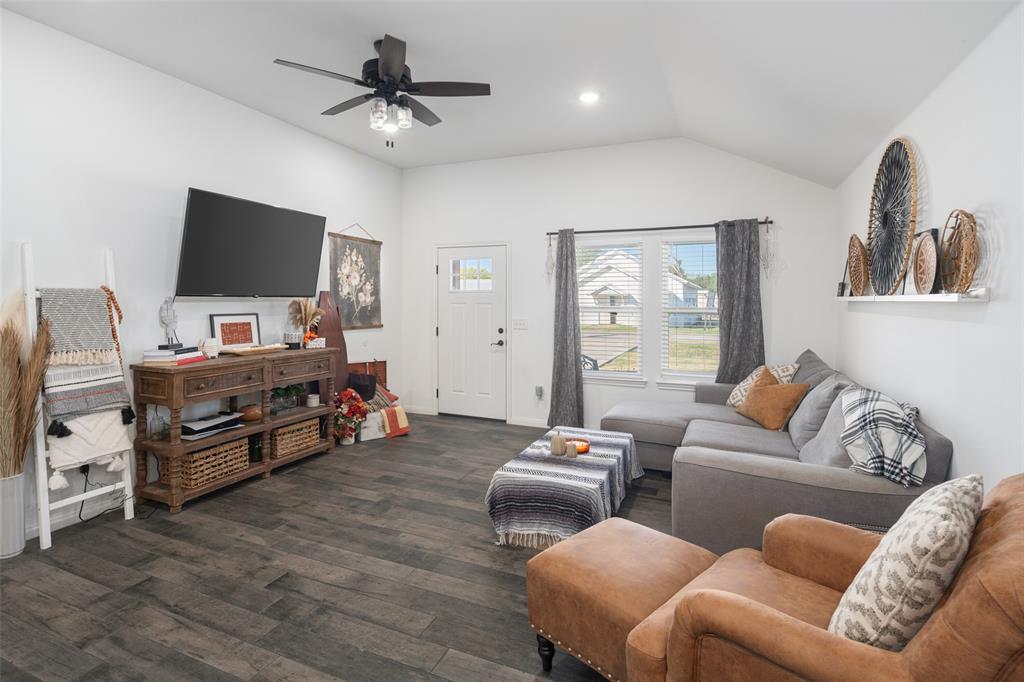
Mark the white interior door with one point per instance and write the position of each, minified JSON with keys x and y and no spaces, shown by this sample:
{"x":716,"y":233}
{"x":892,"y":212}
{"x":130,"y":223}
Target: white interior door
{"x":471,"y":334}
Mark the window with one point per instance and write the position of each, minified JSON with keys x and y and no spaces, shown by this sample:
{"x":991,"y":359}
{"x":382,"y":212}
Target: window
{"x":689,"y":307}
{"x":610,"y":282}
{"x":470,"y":274}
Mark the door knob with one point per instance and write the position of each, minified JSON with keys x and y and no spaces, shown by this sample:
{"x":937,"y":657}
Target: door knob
{"x":499,"y":342}
{"x":501,"y":330}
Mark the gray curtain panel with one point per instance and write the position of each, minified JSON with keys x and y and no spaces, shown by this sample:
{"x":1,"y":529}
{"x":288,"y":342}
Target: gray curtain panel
{"x":566,"y":372}
{"x":741,"y":333}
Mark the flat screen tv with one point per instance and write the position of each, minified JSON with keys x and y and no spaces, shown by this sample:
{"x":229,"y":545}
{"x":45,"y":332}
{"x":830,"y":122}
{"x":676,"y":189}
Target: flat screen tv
{"x":234,"y":247}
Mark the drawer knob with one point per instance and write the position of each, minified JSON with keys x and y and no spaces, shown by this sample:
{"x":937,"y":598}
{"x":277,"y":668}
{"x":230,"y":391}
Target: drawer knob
{"x":250,"y":377}
{"x":283,"y":372}
{"x":202,"y":386}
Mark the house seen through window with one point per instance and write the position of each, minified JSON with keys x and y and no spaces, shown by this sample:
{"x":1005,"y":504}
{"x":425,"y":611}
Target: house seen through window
{"x":689,"y":307}
{"x":610,"y":283}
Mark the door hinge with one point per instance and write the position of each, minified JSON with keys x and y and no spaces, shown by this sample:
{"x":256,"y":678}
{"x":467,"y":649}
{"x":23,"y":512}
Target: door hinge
{"x":437,"y":269}
{"x":437,"y":393}
{"x":437,"y":331}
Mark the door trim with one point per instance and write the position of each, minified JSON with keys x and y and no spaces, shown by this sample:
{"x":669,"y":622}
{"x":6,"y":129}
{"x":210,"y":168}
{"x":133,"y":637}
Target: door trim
{"x":509,"y":347}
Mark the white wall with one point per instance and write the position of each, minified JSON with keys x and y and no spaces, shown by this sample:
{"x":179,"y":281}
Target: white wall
{"x":662,"y":182}
{"x":98,"y":152}
{"x":961,"y":364}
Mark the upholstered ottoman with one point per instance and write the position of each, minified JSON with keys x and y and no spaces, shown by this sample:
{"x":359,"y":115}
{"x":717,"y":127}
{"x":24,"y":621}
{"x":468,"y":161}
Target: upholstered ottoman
{"x":587,"y":593}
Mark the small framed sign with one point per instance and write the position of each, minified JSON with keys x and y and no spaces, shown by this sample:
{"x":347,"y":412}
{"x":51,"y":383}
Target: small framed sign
{"x":237,"y":330}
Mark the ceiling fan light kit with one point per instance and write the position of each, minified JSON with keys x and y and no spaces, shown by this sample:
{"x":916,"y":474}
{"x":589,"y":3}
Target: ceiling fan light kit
{"x":391,"y":107}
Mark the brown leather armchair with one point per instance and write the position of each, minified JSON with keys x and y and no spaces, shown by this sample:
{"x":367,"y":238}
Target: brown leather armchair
{"x":754,"y":615}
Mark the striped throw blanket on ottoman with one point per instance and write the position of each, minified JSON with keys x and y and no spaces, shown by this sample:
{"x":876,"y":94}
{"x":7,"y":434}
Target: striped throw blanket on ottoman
{"x":538,"y":499}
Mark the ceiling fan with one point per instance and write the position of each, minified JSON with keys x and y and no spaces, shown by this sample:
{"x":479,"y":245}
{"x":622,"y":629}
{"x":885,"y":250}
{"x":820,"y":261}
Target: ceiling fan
{"x":391,"y":106}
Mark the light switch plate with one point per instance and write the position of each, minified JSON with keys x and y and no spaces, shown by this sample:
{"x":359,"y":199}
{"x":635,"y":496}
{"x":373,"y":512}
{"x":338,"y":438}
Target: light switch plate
{"x":520,"y":324}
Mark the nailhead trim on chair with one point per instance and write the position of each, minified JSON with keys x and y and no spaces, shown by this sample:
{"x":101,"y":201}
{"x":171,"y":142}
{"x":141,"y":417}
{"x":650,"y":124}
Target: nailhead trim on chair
{"x":577,"y":654}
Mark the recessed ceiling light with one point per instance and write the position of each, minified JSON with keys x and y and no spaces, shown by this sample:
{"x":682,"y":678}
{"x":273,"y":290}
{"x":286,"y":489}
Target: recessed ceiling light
{"x":589,"y":97}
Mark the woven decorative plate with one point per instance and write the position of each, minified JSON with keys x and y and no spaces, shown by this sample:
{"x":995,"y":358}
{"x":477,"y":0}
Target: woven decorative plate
{"x":892,"y":217}
{"x":959,"y":251}
{"x":926,"y":263}
{"x":858,"y":266}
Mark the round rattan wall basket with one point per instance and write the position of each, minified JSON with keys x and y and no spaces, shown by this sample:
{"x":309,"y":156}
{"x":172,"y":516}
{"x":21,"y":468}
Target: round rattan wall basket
{"x":857,"y":259}
{"x":926,"y":263}
{"x":959,"y":252}
{"x":892,"y":218}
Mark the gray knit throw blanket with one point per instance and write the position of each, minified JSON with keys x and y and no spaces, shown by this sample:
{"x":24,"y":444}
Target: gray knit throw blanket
{"x":79,"y":325}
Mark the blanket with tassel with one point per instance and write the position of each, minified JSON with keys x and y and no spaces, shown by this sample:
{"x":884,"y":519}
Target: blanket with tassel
{"x":75,"y":390}
{"x":100,"y":438}
{"x":80,"y":323}
{"x":537,"y":499}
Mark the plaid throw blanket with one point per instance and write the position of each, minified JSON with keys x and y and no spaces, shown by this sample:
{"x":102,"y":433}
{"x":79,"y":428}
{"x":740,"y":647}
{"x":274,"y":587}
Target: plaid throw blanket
{"x":537,"y":499}
{"x":80,"y":325}
{"x":881,"y":436}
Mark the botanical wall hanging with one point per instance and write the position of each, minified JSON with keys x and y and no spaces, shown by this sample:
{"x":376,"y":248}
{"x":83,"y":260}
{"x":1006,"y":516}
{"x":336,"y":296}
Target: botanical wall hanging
{"x":355,"y":280}
{"x":892,"y":217}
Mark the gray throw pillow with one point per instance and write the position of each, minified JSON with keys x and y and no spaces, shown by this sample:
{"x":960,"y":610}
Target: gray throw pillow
{"x":813,"y":370}
{"x":827,"y":446}
{"x":810,"y":415}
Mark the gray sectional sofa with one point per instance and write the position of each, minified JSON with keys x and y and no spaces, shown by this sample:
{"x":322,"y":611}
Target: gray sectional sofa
{"x":730,"y":476}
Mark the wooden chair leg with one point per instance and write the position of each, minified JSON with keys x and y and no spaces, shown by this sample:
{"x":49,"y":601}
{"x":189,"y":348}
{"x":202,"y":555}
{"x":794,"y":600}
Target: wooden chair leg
{"x":547,"y":652}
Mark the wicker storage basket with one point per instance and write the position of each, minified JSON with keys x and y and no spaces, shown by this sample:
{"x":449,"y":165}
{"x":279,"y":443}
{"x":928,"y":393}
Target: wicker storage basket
{"x":209,"y":465}
{"x":289,"y":439}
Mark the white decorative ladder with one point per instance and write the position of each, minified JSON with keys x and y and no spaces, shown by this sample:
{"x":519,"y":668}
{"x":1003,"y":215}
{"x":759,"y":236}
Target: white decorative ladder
{"x":43,"y":503}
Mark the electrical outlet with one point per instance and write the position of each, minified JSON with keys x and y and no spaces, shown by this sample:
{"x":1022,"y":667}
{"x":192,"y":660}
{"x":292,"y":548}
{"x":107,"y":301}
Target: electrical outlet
{"x":539,"y":392}
{"x":520,"y":324}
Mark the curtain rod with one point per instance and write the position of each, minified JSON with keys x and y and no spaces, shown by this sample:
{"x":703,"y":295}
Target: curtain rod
{"x":766,"y":221}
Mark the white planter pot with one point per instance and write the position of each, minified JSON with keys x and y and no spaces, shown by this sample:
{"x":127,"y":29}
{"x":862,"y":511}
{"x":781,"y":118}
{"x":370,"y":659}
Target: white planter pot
{"x":12,"y":516}
{"x":348,"y":440}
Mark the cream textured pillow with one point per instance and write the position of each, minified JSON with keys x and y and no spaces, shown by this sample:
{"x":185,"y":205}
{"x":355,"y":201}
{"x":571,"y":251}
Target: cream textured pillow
{"x":782,"y":373}
{"x":900,"y":584}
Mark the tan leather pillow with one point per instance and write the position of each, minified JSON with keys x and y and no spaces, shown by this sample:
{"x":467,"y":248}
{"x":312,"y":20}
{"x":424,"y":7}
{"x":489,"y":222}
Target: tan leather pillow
{"x":770,"y":403}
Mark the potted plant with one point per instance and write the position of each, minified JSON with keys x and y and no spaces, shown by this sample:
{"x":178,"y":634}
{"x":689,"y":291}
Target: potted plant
{"x":285,"y":397}
{"x":21,"y":379}
{"x":349,"y":413}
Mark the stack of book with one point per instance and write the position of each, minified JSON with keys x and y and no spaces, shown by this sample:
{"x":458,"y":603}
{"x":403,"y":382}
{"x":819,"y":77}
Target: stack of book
{"x":172,"y":357}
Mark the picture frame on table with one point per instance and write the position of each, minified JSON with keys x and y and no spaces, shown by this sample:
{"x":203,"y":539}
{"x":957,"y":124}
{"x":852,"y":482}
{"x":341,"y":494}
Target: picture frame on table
{"x":235,"y":330}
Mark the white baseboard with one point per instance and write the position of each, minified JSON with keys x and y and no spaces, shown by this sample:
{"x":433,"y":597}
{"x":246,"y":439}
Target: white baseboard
{"x":419,"y":409}
{"x":527,"y":421}
{"x":68,"y":516}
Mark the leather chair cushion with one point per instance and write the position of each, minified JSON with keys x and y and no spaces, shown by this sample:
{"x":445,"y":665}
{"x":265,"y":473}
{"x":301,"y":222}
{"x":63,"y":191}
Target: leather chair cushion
{"x":741,"y":572}
{"x":587,"y":593}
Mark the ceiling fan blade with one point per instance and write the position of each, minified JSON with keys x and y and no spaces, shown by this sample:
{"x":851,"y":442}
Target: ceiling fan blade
{"x":391,"y":63}
{"x":449,"y":89}
{"x":348,"y":104}
{"x":321,"y":72}
{"x":421,"y":113}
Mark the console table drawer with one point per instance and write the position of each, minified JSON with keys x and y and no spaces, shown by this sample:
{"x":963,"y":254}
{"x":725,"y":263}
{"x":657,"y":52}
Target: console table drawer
{"x":295,"y":370}
{"x":215,"y":383}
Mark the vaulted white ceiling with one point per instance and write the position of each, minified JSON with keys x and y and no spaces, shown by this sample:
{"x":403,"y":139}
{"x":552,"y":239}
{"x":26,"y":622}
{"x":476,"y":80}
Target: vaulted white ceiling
{"x":806,"y":87}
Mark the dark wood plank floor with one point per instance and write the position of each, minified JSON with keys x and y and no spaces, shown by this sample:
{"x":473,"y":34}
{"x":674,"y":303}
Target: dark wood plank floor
{"x":373,"y":562}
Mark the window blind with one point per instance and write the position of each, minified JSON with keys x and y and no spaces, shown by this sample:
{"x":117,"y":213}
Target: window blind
{"x":610,"y":282}
{"x":689,"y":307}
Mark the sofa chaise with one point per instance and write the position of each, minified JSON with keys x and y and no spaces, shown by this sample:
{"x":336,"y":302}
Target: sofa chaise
{"x":730,"y":476}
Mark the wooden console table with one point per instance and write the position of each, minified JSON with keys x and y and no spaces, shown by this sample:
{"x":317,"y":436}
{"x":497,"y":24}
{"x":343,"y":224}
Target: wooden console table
{"x":224,"y":377}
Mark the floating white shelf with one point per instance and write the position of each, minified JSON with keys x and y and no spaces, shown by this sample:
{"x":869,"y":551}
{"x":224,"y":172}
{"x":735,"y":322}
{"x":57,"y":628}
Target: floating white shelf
{"x":973,"y":296}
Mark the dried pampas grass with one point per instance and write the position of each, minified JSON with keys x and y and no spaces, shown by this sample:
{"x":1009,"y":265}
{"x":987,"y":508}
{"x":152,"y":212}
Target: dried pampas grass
{"x":21,"y":379}
{"x":302,"y":312}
